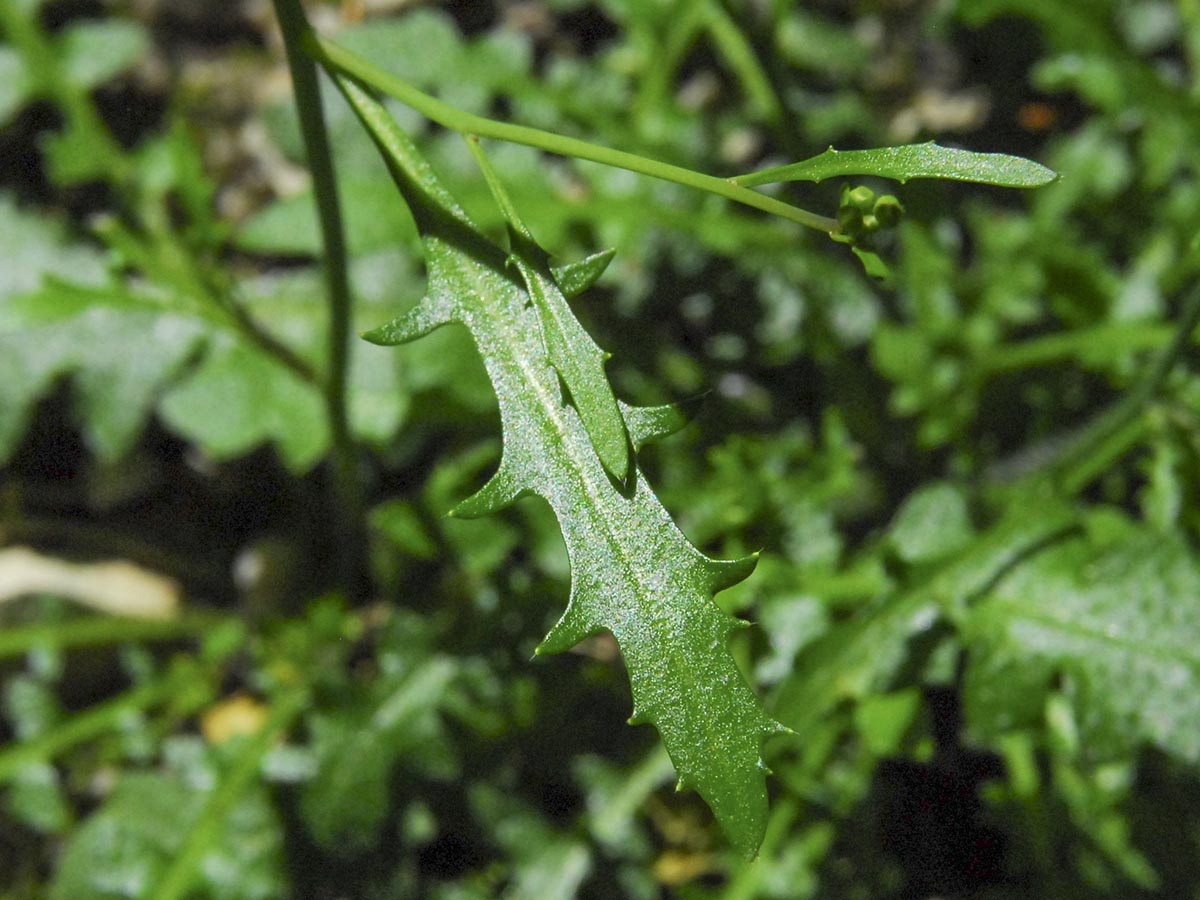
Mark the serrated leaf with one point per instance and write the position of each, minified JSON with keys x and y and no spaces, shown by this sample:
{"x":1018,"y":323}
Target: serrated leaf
{"x":1116,"y":622}
{"x":911,"y":161}
{"x":576,"y":358}
{"x":633,"y":573}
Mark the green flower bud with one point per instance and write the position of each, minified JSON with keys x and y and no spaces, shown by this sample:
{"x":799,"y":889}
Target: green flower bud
{"x":862,"y":198}
{"x":888,"y":211}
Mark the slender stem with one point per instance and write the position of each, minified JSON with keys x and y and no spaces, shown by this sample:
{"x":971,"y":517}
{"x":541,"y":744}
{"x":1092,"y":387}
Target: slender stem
{"x":1108,"y":340}
{"x":740,"y":55}
{"x":101,"y":630}
{"x":1116,"y":428}
{"x":248,"y":328}
{"x":667,"y":50}
{"x":85,"y":725}
{"x":294,"y":27}
{"x":335,"y":57}
{"x":1107,"y":449}
{"x":178,"y":880}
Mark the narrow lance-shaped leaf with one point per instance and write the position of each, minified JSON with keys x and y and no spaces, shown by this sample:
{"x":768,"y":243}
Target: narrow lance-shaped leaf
{"x":571,"y":350}
{"x":633,"y":572}
{"x":910,"y":161}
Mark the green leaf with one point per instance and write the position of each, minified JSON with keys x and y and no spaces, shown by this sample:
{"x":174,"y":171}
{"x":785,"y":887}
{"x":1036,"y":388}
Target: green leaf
{"x":860,"y":656}
{"x":545,"y":862}
{"x":239,"y":398}
{"x":15,"y":87}
{"x":357,"y":750}
{"x":1116,"y":621}
{"x":121,"y":850}
{"x":910,"y":161}
{"x":633,"y":572}
{"x":131,"y":350}
{"x":36,"y":799}
{"x":932,"y":524}
{"x":95,"y":51}
{"x":569,"y":349}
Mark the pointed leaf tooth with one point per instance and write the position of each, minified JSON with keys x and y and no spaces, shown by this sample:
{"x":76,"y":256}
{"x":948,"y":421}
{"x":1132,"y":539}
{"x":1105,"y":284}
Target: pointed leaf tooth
{"x":568,"y":631}
{"x":430,"y":313}
{"x":501,"y":490}
{"x":776,"y":727}
{"x":649,"y":423}
{"x":639,"y":717}
{"x":575,"y":278}
{"x":738,"y":625}
{"x":724,"y":573}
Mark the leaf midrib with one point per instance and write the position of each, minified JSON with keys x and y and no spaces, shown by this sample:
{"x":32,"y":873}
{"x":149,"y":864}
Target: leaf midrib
{"x":550,"y":409}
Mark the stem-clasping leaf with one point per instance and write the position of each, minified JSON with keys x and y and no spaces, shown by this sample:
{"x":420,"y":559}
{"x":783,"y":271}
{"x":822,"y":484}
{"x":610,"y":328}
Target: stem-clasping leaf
{"x":633,"y":573}
{"x":909,"y":161}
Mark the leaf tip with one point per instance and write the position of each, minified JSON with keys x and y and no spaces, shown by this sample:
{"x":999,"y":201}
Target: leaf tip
{"x":376,"y":336}
{"x":777,"y":727}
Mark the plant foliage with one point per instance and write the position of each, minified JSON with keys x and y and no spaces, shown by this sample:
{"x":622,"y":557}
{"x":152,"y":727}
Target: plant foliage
{"x":958,"y":445}
{"x":632,"y":572}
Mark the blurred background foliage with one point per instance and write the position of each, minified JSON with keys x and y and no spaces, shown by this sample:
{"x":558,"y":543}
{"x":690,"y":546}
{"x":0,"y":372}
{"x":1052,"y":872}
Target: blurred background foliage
{"x":994,"y":686}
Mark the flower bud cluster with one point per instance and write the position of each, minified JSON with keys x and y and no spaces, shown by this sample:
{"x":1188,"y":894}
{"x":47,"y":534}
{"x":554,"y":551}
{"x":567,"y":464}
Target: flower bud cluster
{"x":861,"y":214}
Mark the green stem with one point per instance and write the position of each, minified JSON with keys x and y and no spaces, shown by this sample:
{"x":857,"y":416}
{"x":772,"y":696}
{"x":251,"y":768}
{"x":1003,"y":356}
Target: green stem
{"x":666,"y":51}
{"x":335,"y":57}
{"x":1119,"y":426}
{"x":102,"y":630}
{"x":741,"y":57}
{"x":294,"y":27}
{"x":84,"y":726}
{"x":248,"y":328}
{"x":178,"y":880}
{"x":1108,"y":340}
{"x":1107,"y":449}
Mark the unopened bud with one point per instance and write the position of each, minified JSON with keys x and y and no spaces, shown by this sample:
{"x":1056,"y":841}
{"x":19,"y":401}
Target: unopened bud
{"x":888,"y":211}
{"x":862,"y":198}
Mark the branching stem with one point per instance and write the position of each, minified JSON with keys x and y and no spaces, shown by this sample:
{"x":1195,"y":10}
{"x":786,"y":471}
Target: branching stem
{"x":335,"y":57}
